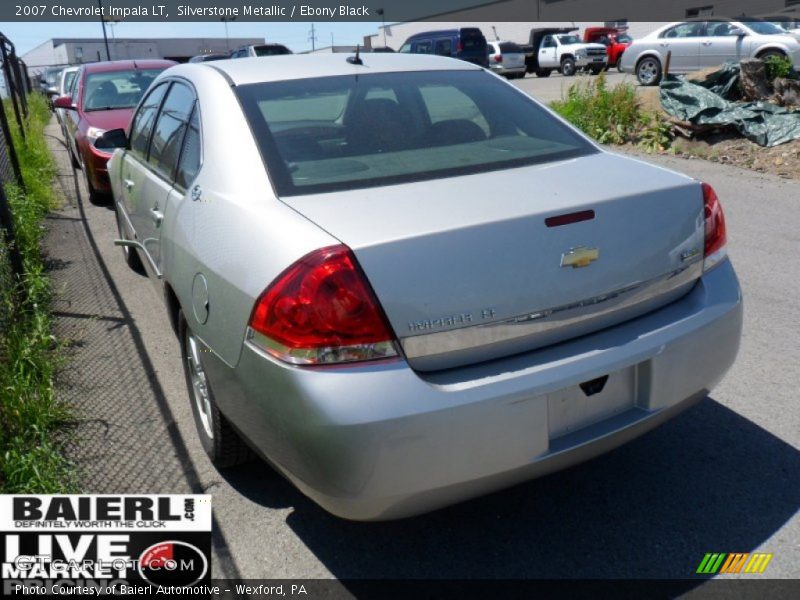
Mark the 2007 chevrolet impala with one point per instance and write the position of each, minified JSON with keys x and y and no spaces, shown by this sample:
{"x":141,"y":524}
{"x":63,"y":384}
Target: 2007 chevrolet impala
{"x":405,"y":283}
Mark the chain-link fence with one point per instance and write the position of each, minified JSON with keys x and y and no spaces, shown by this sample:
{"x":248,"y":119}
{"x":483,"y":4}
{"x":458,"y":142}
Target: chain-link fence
{"x":17,"y":87}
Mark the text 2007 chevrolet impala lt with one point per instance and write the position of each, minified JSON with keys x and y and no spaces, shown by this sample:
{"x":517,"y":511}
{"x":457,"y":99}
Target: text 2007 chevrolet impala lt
{"x":405,"y":283}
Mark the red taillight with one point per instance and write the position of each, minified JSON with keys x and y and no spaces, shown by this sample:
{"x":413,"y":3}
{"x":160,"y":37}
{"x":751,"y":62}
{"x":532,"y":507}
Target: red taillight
{"x":459,"y":46}
{"x":498,"y":58}
{"x":715,"y":234}
{"x":321,"y":310}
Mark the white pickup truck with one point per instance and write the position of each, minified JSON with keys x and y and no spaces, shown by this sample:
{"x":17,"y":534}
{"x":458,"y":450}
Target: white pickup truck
{"x":558,"y":49}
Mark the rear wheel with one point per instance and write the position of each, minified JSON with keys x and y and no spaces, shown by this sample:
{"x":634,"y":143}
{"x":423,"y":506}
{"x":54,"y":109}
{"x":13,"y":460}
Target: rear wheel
{"x":95,"y":197}
{"x":543,"y":72}
{"x":648,"y":71}
{"x":770,"y":53}
{"x":568,"y":67}
{"x":74,"y":161}
{"x":219,"y":440}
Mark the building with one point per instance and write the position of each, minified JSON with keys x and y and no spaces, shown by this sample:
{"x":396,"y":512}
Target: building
{"x":640,"y":17}
{"x":74,"y":51}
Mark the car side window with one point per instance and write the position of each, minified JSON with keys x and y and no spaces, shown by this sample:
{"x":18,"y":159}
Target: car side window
{"x":169,"y":129}
{"x":405,"y":48}
{"x":685,"y":30}
{"x":717,"y":29}
{"x":548,"y":42}
{"x":423,"y":47}
{"x":444,"y":47}
{"x":189,"y":163}
{"x":142,"y":123}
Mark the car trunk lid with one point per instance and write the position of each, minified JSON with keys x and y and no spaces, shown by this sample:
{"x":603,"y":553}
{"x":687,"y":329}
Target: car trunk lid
{"x":473,"y":268}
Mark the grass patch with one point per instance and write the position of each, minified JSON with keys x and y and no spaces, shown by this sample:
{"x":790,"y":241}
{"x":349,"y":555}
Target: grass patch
{"x":613,"y":115}
{"x":30,"y":416}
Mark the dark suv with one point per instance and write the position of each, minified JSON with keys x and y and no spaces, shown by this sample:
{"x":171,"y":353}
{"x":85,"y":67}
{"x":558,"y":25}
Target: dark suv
{"x":466,"y":44}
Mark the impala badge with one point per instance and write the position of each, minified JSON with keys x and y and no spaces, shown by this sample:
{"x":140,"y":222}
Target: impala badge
{"x":579,"y":257}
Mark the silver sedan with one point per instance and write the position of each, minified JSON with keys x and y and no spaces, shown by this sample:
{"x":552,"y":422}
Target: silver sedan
{"x":405,"y":283}
{"x":699,"y":44}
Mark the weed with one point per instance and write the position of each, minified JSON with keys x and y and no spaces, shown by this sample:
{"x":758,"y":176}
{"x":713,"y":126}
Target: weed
{"x":30,"y":415}
{"x":778,"y":65}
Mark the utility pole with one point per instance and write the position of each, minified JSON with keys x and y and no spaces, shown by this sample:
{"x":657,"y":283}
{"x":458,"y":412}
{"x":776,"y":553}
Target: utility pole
{"x":313,"y":38}
{"x":227,"y":40}
{"x":103,"y":23}
{"x":382,"y":13}
{"x":112,"y":23}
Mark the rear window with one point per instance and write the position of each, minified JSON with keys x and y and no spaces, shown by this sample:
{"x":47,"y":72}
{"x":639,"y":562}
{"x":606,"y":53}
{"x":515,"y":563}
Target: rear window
{"x":271,"y":50}
{"x":346,"y":132}
{"x":116,"y":89}
{"x":473,"y":40}
{"x":510,"y":48}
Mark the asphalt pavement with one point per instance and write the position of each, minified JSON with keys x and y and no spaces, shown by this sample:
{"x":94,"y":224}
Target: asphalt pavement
{"x":555,"y":87}
{"x":722,"y":477}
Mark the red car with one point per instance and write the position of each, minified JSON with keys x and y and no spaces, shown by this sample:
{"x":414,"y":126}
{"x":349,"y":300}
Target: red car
{"x":105,"y":95}
{"x":615,"y":41}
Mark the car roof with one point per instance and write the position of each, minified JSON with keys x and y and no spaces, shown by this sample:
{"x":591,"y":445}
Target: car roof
{"x":455,"y":31}
{"x":305,"y":66}
{"x":127,"y":65}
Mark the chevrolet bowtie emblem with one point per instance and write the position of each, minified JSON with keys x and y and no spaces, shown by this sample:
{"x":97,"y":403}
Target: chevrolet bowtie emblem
{"x":579,"y":257}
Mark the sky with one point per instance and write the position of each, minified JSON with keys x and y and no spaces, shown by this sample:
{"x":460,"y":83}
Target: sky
{"x":295,"y":35}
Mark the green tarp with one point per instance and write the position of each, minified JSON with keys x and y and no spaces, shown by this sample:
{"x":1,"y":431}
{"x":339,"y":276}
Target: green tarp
{"x":712,"y":101}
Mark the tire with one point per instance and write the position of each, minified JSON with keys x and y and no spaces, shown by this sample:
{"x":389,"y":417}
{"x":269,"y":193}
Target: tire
{"x":765,"y":55}
{"x":219,"y":440}
{"x":597,"y":70}
{"x":95,"y":197}
{"x":648,"y":71}
{"x":619,"y":64}
{"x":568,"y":67}
{"x":132,"y":258}
{"x":543,"y":72}
{"x":75,"y":163}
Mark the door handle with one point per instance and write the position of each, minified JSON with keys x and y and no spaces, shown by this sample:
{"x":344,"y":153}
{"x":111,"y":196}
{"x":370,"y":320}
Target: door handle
{"x":706,"y":43}
{"x":128,"y":184}
{"x":156,"y":215}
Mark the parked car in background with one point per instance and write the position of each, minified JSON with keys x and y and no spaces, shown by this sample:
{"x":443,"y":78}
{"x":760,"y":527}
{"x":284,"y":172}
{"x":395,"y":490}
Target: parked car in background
{"x":507,"y":59}
{"x":559,"y":49}
{"x":48,"y":81}
{"x":698,"y":44}
{"x":260,"y":50}
{"x":105,"y":94}
{"x":209,"y":56}
{"x":64,"y":86}
{"x":348,"y":301}
{"x":467,"y":43}
{"x":615,"y":40}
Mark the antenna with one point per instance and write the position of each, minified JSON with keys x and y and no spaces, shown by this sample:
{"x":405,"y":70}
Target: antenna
{"x":496,"y":37}
{"x":356,"y":60}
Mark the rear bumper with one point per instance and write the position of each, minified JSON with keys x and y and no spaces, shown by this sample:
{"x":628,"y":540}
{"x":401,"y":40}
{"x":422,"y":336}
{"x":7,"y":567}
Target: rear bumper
{"x":381,"y":441}
{"x":502,"y":70}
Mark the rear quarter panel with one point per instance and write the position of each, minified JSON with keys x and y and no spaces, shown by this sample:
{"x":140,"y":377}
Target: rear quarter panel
{"x":236,"y":234}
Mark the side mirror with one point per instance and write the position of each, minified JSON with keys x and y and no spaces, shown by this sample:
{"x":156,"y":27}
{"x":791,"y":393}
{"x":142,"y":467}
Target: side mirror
{"x":738,"y":32}
{"x":52,"y":91}
{"x":64,"y":102}
{"x":111,"y":139}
